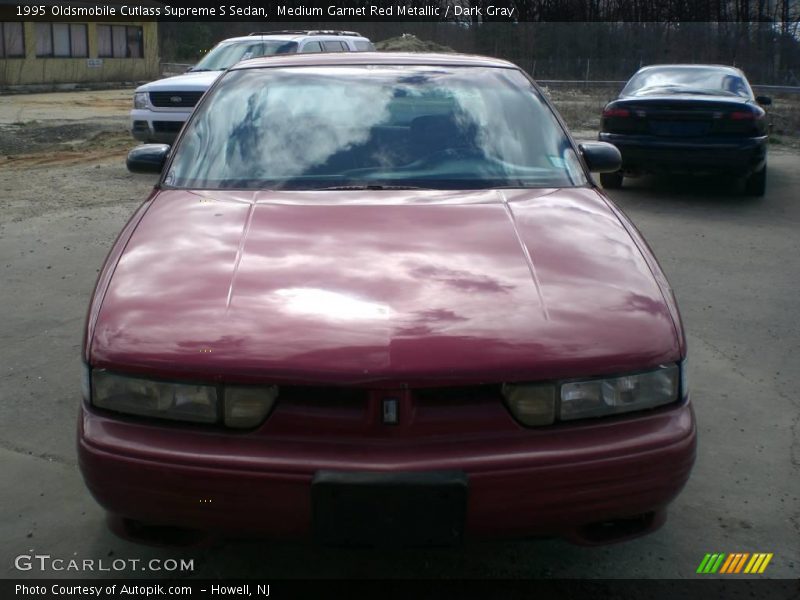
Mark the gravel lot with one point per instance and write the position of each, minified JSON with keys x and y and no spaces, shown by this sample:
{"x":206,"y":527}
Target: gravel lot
{"x":64,"y":195}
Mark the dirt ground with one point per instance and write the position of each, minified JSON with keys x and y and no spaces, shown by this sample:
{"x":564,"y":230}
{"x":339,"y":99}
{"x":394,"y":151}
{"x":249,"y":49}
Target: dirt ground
{"x":24,"y":108}
{"x":71,"y":128}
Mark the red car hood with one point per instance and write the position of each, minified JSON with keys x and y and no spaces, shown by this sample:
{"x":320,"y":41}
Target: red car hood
{"x":382,"y":287}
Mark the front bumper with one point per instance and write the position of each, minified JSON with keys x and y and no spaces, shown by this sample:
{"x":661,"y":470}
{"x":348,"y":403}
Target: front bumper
{"x":648,"y":154}
{"x":558,"y":481}
{"x":157,"y":126}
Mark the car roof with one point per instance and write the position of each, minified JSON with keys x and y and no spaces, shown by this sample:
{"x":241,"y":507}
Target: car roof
{"x":374,"y":58}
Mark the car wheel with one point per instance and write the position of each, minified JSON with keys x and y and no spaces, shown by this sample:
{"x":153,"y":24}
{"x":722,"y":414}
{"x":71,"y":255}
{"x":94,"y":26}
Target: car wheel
{"x":611,"y":181}
{"x":756,"y":184}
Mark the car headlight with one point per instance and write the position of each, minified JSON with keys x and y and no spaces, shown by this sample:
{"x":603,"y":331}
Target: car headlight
{"x":241,"y":407}
{"x":141,"y":100}
{"x":86,"y":382}
{"x":600,"y":397}
{"x":685,"y":377}
{"x":247,"y":407}
{"x":535,"y":404}
{"x":134,"y":396}
{"x":531,"y":404}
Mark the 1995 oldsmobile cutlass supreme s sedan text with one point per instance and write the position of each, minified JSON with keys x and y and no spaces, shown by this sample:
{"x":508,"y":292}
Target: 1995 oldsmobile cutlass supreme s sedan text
{"x":376,"y":298}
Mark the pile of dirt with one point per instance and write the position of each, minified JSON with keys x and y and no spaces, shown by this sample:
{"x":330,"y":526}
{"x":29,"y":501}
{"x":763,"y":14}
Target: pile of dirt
{"x":410,"y":43}
{"x":36,"y":144}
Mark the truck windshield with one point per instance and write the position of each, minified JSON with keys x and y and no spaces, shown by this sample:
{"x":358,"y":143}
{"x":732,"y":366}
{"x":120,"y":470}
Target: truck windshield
{"x":226,"y":55}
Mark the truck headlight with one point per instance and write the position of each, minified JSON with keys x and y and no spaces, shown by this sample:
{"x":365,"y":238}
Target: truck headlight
{"x":614,"y":395}
{"x":134,"y":396}
{"x":141,"y":100}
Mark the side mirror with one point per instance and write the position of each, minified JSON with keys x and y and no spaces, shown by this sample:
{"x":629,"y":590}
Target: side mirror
{"x":148,"y":158}
{"x":601,"y":157}
{"x":764,"y":100}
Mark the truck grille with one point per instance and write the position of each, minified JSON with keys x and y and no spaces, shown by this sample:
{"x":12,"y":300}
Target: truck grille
{"x":175,"y":99}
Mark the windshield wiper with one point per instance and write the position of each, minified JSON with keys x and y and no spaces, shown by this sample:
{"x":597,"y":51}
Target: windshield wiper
{"x":370,"y":187}
{"x":697,"y":92}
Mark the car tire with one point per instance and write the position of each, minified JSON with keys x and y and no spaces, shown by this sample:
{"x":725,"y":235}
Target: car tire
{"x":611,"y":181}
{"x":756,"y":184}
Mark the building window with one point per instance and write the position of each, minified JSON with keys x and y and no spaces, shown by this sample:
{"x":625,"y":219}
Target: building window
{"x":12,"y":40}
{"x":119,"y":41}
{"x":62,"y":40}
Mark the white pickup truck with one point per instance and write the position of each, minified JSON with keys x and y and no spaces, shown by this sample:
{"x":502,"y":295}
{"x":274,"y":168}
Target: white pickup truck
{"x":160,"y":108}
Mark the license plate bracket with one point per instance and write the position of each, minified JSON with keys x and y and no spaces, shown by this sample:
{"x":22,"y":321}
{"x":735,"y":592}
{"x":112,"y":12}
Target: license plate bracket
{"x":376,"y":509}
{"x":679,"y":128}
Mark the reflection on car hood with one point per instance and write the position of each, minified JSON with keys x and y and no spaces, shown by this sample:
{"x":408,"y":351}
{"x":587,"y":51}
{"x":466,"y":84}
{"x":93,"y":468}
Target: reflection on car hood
{"x":188,"y":82}
{"x":369,"y":286}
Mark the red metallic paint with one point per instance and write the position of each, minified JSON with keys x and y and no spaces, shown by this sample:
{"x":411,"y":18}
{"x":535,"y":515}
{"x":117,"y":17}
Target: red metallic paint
{"x":549,"y":481}
{"x":403,"y":289}
{"x":387,"y":288}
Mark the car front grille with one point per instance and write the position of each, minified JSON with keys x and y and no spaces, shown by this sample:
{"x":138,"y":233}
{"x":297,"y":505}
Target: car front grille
{"x":175,"y":99}
{"x":357,"y":413}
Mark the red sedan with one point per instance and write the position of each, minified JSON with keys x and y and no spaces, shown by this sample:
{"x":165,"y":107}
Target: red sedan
{"x":377,"y":298}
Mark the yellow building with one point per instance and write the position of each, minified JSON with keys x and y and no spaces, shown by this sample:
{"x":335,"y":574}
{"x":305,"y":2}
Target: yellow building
{"x":47,"y":53}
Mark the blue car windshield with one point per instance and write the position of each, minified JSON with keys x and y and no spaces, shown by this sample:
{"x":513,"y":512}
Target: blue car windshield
{"x":329,"y":127}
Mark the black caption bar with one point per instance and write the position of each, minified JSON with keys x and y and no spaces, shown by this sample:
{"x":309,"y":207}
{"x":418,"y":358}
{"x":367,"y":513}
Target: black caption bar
{"x":455,"y":11}
{"x":391,"y":589}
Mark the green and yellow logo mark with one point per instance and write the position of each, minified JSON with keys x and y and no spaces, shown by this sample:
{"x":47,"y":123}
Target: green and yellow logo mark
{"x":738,"y":562}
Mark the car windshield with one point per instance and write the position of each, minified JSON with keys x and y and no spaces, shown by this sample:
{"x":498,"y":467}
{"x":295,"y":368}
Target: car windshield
{"x":688,"y":80}
{"x":227,"y":54}
{"x":376,"y":126}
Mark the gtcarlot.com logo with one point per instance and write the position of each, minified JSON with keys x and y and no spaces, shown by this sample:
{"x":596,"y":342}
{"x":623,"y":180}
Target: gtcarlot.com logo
{"x":734,"y":563}
{"x":45,"y":562}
